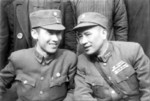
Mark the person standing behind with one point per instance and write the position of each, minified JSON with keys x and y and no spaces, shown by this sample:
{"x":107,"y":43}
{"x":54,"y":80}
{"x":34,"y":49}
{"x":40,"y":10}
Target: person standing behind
{"x":44,"y":72}
{"x":138,"y":12}
{"x":109,"y":70}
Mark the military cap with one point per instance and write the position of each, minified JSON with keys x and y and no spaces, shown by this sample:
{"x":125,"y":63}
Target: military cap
{"x":91,"y":19}
{"x":48,"y":19}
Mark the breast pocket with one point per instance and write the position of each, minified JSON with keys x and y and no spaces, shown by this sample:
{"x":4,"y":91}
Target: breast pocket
{"x":58,"y":87}
{"x":58,"y":81}
{"x":97,"y":85}
{"x":127,"y":79}
{"x":25,"y":83}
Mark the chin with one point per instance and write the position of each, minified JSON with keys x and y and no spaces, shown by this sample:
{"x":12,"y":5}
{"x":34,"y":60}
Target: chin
{"x":89,"y":52}
{"x":52,"y":51}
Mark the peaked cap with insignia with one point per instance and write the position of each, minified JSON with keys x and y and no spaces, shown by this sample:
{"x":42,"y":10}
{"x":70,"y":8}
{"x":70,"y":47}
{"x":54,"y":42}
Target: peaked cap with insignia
{"x":91,"y":19}
{"x":48,"y":19}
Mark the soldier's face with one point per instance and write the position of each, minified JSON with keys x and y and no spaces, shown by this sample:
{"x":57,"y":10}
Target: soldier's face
{"x":92,"y":39}
{"x":49,"y":40}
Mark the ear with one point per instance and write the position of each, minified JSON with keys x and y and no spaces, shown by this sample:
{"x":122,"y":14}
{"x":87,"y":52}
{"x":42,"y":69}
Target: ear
{"x":104,"y":34}
{"x":34,"y":34}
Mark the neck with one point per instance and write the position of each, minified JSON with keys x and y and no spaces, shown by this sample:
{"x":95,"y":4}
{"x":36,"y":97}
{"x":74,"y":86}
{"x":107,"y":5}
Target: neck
{"x":42,"y":52}
{"x":103,"y":49}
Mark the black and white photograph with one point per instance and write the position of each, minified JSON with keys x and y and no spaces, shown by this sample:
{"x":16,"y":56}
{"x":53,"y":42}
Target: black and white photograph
{"x":74,"y":50}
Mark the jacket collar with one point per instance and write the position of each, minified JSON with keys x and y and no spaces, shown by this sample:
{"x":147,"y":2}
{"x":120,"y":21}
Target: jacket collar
{"x":105,"y":56}
{"x":41,"y":59}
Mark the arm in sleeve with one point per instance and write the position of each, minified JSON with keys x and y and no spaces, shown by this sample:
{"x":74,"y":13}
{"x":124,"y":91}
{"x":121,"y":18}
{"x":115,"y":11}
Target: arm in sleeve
{"x":7,"y":76}
{"x":71,"y":75}
{"x":120,"y":21}
{"x":83,"y":91}
{"x":142,"y":67}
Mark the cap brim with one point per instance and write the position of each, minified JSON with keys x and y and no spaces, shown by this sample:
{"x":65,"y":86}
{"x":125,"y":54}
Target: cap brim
{"x":81,"y":25}
{"x":54,"y":27}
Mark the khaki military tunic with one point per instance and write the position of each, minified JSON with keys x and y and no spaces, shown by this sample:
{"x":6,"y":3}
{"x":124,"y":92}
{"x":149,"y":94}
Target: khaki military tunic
{"x":38,"y":78}
{"x":125,"y":64}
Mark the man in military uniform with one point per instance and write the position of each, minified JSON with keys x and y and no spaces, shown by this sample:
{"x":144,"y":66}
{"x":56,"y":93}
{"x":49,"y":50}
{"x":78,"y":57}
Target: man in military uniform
{"x":15,"y":25}
{"x":109,"y":70}
{"x":42,"y":73}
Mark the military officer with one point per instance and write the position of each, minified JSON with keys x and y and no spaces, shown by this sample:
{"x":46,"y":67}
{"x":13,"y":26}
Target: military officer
{"x":109,"y":70}
{"x":44,"y":72}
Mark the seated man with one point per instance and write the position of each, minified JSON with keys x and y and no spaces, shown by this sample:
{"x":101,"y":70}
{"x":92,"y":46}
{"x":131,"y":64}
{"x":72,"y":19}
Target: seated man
{"x":109,"y":70}
{"x":42,"y":73}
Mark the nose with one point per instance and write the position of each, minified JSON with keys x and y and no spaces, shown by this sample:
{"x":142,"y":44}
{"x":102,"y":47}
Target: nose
{"x":54,"y":37}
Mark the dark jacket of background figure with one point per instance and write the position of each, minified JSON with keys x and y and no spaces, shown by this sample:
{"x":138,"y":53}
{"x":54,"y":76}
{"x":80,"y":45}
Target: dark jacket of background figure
{"x":138,"y":12}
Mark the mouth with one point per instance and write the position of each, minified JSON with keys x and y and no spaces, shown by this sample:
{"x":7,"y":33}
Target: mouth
{"x":53,"y":44}
{"x":86,"y":48}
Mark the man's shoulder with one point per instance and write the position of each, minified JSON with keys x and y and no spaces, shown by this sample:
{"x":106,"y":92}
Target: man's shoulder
{"x":83,"y":58}
{"x":126,"y":45}
{"x":21,"y":53}
{"x":67,"y":54}
{"x":127,"y":49}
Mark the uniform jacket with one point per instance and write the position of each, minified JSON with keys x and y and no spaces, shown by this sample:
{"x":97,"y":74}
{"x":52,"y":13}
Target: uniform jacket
{"x":125,"y":64}
{"x":38,"y":78}
{"x":114,"y":10}
{"x":139,"y":22}
{"x":15,"y":28}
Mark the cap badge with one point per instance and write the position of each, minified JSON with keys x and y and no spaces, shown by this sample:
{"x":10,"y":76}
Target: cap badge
{"x":83,"y":16}
{"x":55,"y":13}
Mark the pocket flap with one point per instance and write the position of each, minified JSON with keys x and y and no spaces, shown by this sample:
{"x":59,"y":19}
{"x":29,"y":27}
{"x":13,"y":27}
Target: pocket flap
{"x":25,"y":79}
{"x":125,"y":74}
{"x":58,"y":81}
{"x":94,"y":80}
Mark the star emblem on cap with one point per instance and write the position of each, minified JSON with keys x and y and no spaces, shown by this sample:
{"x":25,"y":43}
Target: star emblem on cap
{"x":55,"y":14}
{"x":83,"y":16}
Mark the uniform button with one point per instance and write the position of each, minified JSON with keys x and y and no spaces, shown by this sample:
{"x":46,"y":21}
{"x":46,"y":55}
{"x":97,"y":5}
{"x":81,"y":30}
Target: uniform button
{"x":52,"y":78}
{"x":113,"y":92}
{"x":19,"y":35}
{"x":104,"y":64}
{"x":57,"y":21}
{"x":58,"y":74}
{"x":127,"y":77}
{"x":25,"y":82}
{"x":41,"y":92}
{"x":93,"y":84}
{"x":42,"y":78}
{"x":109,"y":78}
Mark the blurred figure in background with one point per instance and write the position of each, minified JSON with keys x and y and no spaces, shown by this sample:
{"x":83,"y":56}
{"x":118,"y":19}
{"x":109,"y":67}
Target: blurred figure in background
{"x":138,"y":12}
